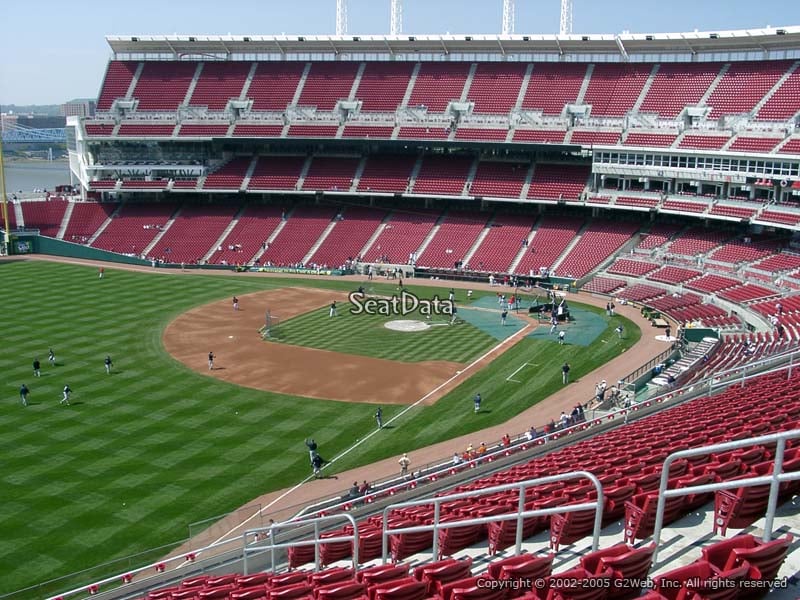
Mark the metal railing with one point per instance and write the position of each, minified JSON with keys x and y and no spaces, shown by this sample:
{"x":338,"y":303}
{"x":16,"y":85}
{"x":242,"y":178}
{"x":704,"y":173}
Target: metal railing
{"x":519,"y":516}
{"x":774,"y":480}
{"x":445,"y":468}
{"x":275,"y":527}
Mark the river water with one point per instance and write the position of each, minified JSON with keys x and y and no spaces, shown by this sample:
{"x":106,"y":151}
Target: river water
{"x":25,"y":176}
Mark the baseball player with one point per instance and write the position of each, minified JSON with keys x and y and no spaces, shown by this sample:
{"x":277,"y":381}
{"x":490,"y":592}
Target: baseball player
{"x":108,"y":364}
{"x":332,"y":312}
{"x":66,"y":392}
{"x":51,"y":357}
{"x":211,"y":358}
{"x":23,"y":394}
{"x":37,"y":368}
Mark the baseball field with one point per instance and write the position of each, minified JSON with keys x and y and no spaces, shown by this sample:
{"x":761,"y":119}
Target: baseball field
{"x":162,"y":442}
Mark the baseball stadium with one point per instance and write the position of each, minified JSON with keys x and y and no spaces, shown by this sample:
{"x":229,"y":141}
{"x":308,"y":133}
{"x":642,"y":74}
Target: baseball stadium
{"x":412,"y":317}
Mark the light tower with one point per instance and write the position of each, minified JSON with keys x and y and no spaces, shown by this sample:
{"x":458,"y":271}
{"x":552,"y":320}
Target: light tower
{"x":341,"y":17}
{"x":566,"y":18}
{"x":396,"y":17}
{"x":508,"y":17}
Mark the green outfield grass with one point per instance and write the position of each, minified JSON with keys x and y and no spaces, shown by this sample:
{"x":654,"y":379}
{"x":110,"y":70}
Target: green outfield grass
{"x":365,"y":334}
{"x":153,"y":447}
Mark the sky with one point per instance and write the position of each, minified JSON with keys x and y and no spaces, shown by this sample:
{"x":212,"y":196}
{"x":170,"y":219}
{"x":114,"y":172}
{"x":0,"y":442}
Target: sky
{"x":52,"y":51}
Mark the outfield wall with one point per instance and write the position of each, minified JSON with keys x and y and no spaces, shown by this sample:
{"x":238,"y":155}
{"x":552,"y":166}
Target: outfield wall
{"x":37,"y":244}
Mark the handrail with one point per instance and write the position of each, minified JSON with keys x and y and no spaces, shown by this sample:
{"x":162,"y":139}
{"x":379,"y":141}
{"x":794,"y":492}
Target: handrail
{"x":707,"y":384}
{"x":521,"y":513}
{"x":274,"y":527}
{"x":774,"y":479}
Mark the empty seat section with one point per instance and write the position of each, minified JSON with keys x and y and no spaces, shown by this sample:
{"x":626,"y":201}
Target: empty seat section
{"x":248,"y":236}
{"x":45,"y":215}
{"x":134,"y":227}
{"x":614,"y":88}
{"x":553,"y":235}
{"x":681,"y":206}
{"x":327,"y":83}
{"x":553,"y":85}
{"x":302,"y":230}
{"x":316,"y":131}
{"x":424,"y":133}
{"x":99,"y":129}
{"x":554,"y":136}
{"x":777,"y":216}
{"x":785,"y":261}
{"x":386,"y":173}
{"x":220,"y":82}
{"x":276,"y":173}
{"x":747,"y":293}
{"x":696,"y":241}
{"x":634,"y":268}
{"x":641,"y":293}
{"x":678,"y":85}
{"x":712,"y":283}
{"x":247,"y":130}
{"x":784,"y":103}
{"x":456,"y":235}
{"x":86,"y":219}
{"x":558,"y":181}
{"x":383,"y":85}
{"x":330,"y":173}
{"x":673,"y":275}
{"x":599,"y":241}
{"x":502,"y":243}
{"x":648,"y":203}
{"x":604,"y":285}
{"x":196,"y":130}
{"x":348,"y":237}
{"x":728,"y":210}
{"x":499,"y":179}
{"x":438,"y":84}
{"x":591,"y":137}
{"x":743,"y":85}
{"x":162,"y":85}
{"x":763,"y":145}
{"x":367,"y":131}
{"x":703,"y":142}
{"x":489,"y":135}
{"x":652,"y":140}
{"x":274,"y":85}
{"x":442,"y":175}
{"x":790,"y":147}
{"x":402,"y":236}
{"x":745,"y":251}
{"x":495,"y":87}
{"x":194,"y":232}
{"x":118,"y":79}
{"x":145,"y":130}
{"x":230,"y":176}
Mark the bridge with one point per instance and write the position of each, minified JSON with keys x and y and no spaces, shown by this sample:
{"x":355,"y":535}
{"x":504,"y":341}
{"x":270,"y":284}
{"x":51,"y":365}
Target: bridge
{"x":20,"y":134}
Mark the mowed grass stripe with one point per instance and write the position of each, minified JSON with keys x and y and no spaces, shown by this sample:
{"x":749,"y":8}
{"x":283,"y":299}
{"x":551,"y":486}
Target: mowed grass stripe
{"x":155,"y":446}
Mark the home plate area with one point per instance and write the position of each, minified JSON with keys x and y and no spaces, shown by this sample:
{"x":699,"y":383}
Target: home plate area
{"x":406,"y":325}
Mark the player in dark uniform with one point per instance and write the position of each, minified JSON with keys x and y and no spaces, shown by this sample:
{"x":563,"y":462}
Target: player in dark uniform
{"x":37,"y":368}
{"x":211,"y":358}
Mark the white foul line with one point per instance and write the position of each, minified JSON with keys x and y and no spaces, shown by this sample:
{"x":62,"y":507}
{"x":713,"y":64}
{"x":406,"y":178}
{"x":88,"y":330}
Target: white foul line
{"x":375,"y":431}
{"x":509,"y":378}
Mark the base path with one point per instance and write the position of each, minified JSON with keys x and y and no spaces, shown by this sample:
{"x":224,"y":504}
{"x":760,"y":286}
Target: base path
{"x":242,"y":357}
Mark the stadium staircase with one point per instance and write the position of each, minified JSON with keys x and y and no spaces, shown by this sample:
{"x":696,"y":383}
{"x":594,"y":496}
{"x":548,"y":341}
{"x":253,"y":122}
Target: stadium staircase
{"x":304,"y":172}
{"x":585,"y":85}
{"x":275,"y":233}
{"x":646,"y":88}
{"x":412,"y":179}
{"x":132,"y":86}
{"x":323,"y":236}
{"x":528,"y":178}
{"x":524,"y":249}
{"x":570,"y":247}
{"x":375,"y":234}
{"x":247,"y":82}
{"x":161,"y":233}
{"x":470,"y":177}
{"x":18,"y":215}
{"x":105,"y":224}
{"x":249,"y":173}
{"x":192,"y":84}
{"x":478,"y":241}
{"x":431,"y":234}
{"x":221,"y":239}
{"x":775,"y":87}
{"x":359,"y":172}
{"x":65,"y":220}
{"x":702,"y":102}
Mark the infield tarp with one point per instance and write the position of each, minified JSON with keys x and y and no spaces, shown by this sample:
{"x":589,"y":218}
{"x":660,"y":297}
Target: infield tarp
{"x":584,"y":328}
{"x":488,"y":321}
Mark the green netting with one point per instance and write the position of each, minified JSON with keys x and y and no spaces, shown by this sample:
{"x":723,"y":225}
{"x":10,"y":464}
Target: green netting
{"x":583,"y":329}
{"x":488,"y":321}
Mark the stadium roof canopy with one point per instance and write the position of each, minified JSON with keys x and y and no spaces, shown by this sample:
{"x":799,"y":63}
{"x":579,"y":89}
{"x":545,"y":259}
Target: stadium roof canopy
{"x":773,"y":41}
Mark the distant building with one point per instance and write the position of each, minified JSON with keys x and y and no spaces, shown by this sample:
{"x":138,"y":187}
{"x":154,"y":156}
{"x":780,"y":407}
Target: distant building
{"x":7,"y":120}
{"x":78,"y":108}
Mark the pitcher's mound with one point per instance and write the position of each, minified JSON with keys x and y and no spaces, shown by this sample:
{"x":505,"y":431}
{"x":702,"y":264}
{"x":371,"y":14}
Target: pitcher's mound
{"x":406,"y":325}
